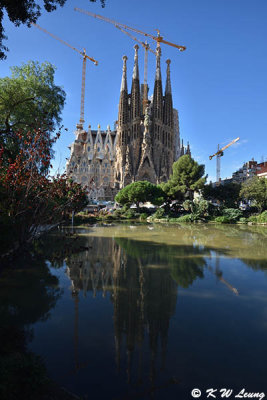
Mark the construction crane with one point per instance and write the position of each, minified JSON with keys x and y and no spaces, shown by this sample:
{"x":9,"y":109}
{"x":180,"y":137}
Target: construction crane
{"x":85,"y":57}
{"x":218,"y":155}
{"x":123,"y":28}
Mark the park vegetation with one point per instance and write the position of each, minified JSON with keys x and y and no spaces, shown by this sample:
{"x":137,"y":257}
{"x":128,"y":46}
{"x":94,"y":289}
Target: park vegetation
{"x":186,"y":198}
{"x":31,"y":200}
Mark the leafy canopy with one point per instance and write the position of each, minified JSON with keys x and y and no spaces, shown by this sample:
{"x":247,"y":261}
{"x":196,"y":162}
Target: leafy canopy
{"x":227,"y":194}
{"x":29,"y":99}
{"x":25,"y":12}
{"x":30,"y":96}
{"x":255,"y":189}
{"x":187,"y":176}
{"x":141,"y":191}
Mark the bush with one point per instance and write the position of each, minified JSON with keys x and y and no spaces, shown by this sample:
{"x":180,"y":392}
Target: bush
{"x":223,"y":220}
{"x":233,"y":214}
{"x":159,"y":213}
{"x":130,"y":214}
{"x":118,"y":213}
{"x":262,"y":217}
{"x":252,"y":218}
{"x":174,"y":219}
{"x":143,"y":216}
{"x":243,"y":220}
{"x":126,"y":207}
{"x":188,"y":205}
{"x":185,"y":218}
{"x":199,"y":207}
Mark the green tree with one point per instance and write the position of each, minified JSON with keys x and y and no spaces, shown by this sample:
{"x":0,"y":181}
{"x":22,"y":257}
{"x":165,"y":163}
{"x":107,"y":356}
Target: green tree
{"x":24,"y":12}
{"x":255,"y":189}
{"x":29,"y":99}
{"x":187,"y":176}
{"x":141,"y":191}
{"x":227,"y":194}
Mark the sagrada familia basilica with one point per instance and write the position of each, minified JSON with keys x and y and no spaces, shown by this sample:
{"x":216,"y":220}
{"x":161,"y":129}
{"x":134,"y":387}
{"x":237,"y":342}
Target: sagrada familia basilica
{"x":143,"y":145}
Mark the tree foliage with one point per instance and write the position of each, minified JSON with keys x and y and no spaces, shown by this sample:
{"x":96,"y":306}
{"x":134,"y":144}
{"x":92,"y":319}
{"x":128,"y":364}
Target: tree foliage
{"x":255,"y":189}
{"x":29,"y":99}
{"x":227,"y":194}
{"x":187,"y":176}
{"x":25,"y":12}
{"x":140,"y":192}
{"x":29,"y":198}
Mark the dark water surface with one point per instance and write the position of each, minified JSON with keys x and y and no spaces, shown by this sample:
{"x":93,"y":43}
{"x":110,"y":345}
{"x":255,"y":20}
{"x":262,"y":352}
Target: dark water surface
{"x":140,"y":312}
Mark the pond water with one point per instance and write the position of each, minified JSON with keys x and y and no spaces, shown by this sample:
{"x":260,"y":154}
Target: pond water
{"x":146,"y":311}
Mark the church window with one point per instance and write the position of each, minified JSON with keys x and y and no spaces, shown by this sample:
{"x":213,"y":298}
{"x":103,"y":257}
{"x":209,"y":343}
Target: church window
{"x":98,"y":149}
{"x":73,"y":163}
{"x":89,"y":148}
{"x":106,"y":165}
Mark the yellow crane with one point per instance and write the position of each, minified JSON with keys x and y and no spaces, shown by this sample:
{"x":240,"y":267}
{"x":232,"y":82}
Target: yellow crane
{"x":218,"y":155}
{"x":124,"y":28}
{"x":84,"y":56}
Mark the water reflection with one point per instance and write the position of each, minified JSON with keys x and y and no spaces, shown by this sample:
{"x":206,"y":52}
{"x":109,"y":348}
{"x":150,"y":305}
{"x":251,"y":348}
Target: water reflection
{"x":153,"y":308}
{"x":28,"y":293}
{"x":142,"y":280}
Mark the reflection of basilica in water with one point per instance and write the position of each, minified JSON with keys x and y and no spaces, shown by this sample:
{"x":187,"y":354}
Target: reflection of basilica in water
{"x":144,"y":298}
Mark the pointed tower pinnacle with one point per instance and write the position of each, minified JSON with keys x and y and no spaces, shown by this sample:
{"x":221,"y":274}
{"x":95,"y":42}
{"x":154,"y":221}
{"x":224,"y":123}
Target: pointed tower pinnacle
{"x":158,"y":72}
{"x":124,"y":75}
{"x":123,"y":104}
{"x":168,"y":108}
{"x":136,"y":69}
{"x":168,"y":88}
{"x":157,"y":94}
{"x":182,"y":148}
{"x":135,"y":92}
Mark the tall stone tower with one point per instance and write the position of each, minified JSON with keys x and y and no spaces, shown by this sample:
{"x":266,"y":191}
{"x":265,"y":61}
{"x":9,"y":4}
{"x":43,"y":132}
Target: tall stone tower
{"x":146,"y":141}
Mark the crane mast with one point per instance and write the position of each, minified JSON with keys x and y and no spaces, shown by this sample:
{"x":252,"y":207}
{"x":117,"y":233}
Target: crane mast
{"x":218,"y":155}
{"x":85,"y":58}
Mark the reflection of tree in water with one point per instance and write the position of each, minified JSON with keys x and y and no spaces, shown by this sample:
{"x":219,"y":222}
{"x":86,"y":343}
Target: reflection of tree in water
{"x":186,"y":262}
{"x":27,"y":294}
{"x":58,"y":245}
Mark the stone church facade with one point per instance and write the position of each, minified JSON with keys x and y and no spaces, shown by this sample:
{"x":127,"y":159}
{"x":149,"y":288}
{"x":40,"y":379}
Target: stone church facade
{"x":144,"y":145}
{"x":91,"y":162}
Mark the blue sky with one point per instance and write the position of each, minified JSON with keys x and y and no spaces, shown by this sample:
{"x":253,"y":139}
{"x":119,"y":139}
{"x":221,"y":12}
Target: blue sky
{"x":219,"y":83}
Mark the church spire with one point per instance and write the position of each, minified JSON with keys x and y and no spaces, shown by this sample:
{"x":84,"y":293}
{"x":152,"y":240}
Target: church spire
{"x":135,"y":93}
{"x":136,"y":69}
{"x":168,"y":107}
{"x":168,"y":89}
{"x":157,"y":96}
{"x":124,"y":75}
{"x":158,"y":71}
{"x":123,"y":104}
